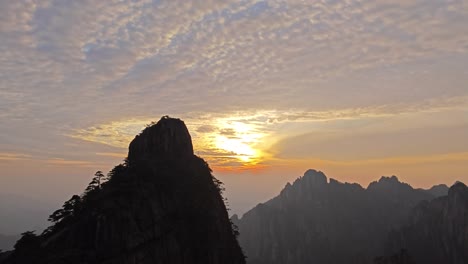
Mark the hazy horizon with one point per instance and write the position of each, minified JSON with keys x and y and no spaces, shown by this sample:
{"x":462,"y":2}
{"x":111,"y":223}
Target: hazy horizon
{"x":268,"y":89}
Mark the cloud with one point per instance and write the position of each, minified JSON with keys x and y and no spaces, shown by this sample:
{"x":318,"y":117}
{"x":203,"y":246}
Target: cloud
{"x":68,"y":66}
{"x":396,"y":161}
{"x":170,"y":51}
{"x":72,"y":163}
{"x":112,"y":154}
{"x":6,"y":156}
{"x":206,"y":129}
{"x":372,"y":111}
{"x":229,"y":132}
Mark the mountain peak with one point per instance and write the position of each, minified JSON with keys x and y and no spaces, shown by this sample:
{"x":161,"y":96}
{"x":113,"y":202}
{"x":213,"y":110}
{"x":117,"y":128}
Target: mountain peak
{"x":168,"y":139}
{"x":315,"y":177}
{"x":458,"y":188}
{"x":389,"y":183}
{"x":392,"y":179}
{"x":439,"y":190}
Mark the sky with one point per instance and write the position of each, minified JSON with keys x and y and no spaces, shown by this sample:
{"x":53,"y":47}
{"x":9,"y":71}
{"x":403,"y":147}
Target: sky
{"x":268,"y":89}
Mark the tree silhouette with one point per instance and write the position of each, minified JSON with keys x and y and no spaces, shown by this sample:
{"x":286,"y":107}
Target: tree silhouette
{"x":27,"y":249}
{"x":28,"y":240}
{"x":95,"y":183}
{"x":69,"y":208}
{"x":219,"y":185}
{"x":116,"y":171}
{"x":235,"y":229}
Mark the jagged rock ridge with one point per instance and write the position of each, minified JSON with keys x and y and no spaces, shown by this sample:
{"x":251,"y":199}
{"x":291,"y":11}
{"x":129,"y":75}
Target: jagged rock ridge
{"x":316,"y":220}
{"x":163,"y":206}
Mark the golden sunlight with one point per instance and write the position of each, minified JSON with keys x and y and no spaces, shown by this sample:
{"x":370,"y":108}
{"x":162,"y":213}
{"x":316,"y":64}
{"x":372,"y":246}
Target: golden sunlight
{"x":241,"y":138}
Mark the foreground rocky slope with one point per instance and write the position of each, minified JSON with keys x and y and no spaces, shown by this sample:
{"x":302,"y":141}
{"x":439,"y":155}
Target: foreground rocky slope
{"x":315,"y":220}
{"x":162,"y":206}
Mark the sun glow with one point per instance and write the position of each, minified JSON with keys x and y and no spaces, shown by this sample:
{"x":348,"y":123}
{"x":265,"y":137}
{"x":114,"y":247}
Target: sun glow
{"x":234,"y":145}
{"x":240,"y":139}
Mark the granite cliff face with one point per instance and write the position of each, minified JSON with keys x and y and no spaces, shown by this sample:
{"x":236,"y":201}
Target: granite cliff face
{"x":169,"y":140}
{"x":437,"y":231}
{"x":162,"y":206}
{"x":315,"y":220}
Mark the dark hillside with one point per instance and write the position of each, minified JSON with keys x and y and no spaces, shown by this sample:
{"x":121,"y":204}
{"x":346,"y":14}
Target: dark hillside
{"x":162,"y":206}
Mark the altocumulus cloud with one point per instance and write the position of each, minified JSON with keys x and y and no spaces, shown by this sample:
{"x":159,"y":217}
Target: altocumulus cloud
{"x":68,"y":66}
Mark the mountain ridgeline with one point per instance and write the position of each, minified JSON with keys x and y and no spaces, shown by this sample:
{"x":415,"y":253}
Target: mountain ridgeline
{"x":162,"y":206}
{"x":316,"y":220}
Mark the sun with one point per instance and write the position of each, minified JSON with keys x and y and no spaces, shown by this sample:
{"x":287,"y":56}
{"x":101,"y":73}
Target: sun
{"x":241,"y":140}
{"x":239,"y":147}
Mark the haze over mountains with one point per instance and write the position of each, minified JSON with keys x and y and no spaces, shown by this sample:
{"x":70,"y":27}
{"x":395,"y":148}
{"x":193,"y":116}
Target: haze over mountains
{"x":7,"y":242}
{"x":19,"y":213}
{"x":315,"y":220}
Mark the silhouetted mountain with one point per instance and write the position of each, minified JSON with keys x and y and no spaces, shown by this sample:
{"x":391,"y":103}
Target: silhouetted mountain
{"x":315,"y":221}
{"x":439,"y":190}
{"x":7,"y":242}
{"x":162,"y":206}
{"x":437,"y":231}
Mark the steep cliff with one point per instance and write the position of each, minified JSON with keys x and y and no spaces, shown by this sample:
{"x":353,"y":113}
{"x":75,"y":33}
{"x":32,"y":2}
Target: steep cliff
{"x":437,"y":231}
{"x":162,"y":206}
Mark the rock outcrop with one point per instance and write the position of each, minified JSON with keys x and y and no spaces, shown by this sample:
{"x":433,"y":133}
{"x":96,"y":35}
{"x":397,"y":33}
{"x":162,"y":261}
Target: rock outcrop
{"x":169,"y":139}
{"x":162,"y":206}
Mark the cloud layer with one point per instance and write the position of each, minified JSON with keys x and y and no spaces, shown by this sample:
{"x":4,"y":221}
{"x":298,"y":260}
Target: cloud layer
{"x":80,"y":60}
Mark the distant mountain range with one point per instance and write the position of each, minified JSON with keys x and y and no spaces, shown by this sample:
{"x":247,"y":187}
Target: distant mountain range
{"x":437,"y":230}
{"x":316,"y":220}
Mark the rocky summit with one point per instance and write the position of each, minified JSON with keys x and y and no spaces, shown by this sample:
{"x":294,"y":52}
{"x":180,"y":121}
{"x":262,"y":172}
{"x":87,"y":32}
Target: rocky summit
{"x":161,"y":206}
{"x":169,"y":139}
